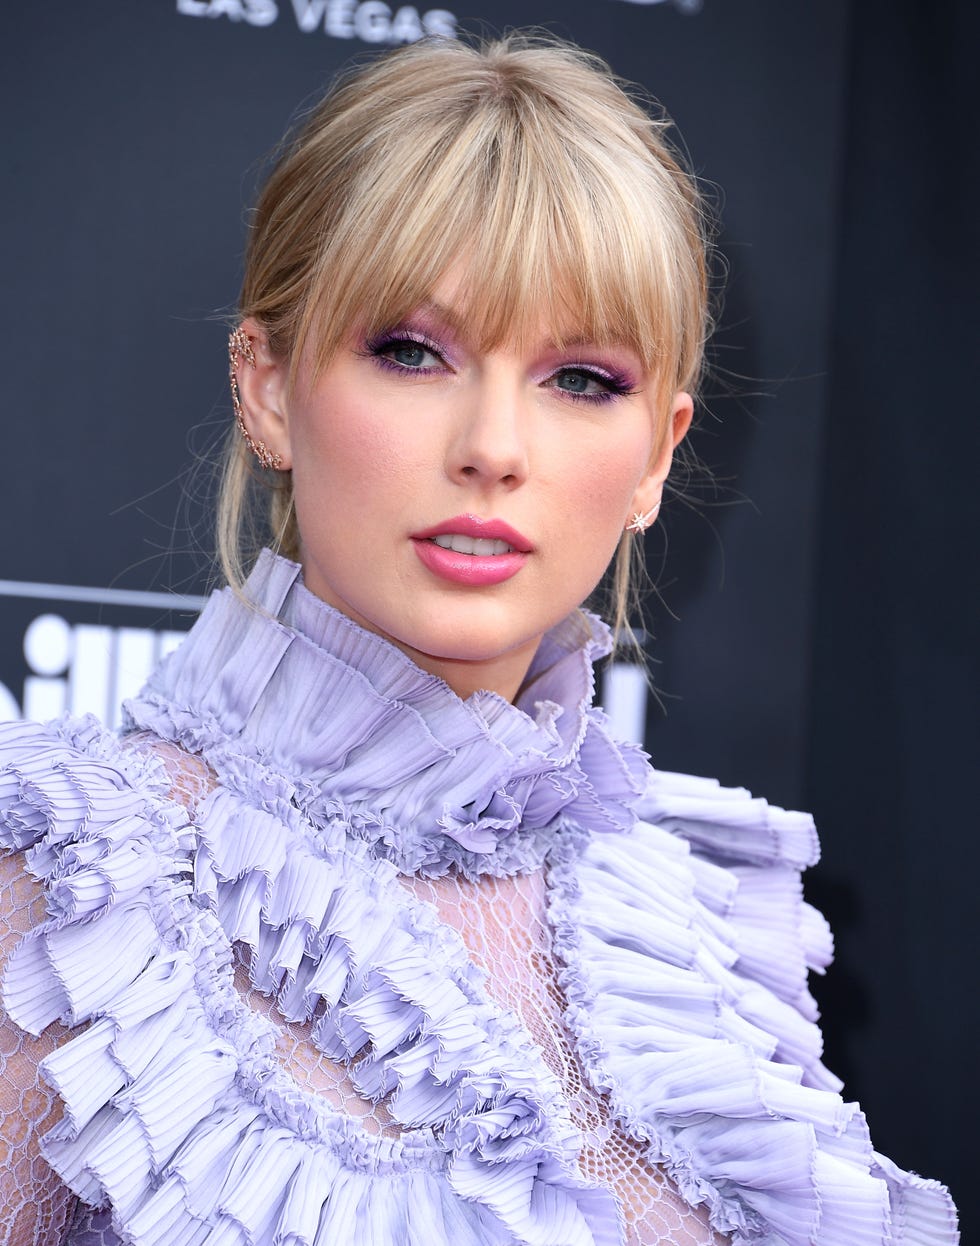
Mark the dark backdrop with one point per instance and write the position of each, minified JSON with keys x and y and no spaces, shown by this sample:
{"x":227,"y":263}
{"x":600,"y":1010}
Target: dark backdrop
{"x":892,"y":731}
{"x":813,"y":637}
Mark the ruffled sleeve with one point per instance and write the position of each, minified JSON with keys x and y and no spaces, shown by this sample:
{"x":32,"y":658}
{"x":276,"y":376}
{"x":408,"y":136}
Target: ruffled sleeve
{"x":687,"y":945}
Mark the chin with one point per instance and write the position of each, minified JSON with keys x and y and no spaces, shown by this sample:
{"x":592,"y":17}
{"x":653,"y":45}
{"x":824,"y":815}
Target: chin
{"x":454,"y":641}
{"x":463,"y":648}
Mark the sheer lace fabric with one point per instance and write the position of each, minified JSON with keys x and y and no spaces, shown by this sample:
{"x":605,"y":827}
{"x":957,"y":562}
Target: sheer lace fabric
{"x":34,"y":1205}
{"x":92,"y":1227}
{"x":504,"y":926}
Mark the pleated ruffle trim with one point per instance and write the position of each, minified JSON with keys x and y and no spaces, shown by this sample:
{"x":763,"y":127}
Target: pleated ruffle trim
{"x":177,"y":1112}
{"x":380,"y":749}
{"x":687,"y":946}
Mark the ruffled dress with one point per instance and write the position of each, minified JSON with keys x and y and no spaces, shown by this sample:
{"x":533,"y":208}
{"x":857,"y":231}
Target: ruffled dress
{"x":534,"y":991}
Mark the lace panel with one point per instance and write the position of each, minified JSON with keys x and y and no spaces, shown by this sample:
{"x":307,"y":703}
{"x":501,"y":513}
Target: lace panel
{"x":190,"y":777}
{"x":504,"y":926}
{"x":92,"y":1227}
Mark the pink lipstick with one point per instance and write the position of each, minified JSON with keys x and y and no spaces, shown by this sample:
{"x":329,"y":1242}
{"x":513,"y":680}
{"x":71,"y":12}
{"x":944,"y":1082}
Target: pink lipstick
{"x":473,"y":551}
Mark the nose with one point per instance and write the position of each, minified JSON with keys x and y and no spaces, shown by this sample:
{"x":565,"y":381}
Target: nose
{"x":489,"y":443}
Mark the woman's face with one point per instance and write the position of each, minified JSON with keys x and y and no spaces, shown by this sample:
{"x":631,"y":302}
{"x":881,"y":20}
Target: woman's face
{"x":461,"y":502}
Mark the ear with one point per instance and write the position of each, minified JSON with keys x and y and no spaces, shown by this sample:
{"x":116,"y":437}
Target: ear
{"x":649,"y":492}
{"x":262,"y":389}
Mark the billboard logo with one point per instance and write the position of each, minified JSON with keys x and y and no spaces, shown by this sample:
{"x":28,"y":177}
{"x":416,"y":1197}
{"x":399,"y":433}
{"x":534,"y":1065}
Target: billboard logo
{"x":84,"y":667}
{"x":87,"y":668}
{"x":371,"y":21}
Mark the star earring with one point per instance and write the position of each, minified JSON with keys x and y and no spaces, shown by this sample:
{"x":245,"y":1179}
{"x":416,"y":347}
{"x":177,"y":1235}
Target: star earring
{"x":639,"y":523}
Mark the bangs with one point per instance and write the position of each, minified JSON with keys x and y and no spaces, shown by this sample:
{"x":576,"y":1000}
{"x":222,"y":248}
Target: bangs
{"x":545,"y":222}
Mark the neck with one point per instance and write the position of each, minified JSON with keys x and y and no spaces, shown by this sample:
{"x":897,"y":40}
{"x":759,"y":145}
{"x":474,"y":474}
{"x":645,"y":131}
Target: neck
{"x":503,"y":674}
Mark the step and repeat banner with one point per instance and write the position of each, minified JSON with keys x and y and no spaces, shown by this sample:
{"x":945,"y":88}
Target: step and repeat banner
{"x":142,"y":133}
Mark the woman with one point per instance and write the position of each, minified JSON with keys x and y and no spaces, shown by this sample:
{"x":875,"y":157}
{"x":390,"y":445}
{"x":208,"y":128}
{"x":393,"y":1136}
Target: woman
{"x":367,"y":930}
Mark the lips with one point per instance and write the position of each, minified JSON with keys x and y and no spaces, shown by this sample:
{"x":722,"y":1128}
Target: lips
{"x":464,"y":530}
{"x":471,"y":551}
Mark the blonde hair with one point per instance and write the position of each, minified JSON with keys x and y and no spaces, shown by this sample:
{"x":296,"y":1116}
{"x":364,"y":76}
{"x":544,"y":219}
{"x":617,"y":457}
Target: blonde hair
{"x":524,"y":149}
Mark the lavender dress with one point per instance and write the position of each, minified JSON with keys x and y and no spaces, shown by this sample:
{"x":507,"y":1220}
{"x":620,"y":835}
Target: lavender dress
{"x":344,"y":788}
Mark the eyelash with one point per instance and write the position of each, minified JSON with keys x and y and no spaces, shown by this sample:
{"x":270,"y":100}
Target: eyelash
{"x":376,"y":347}
{"x":615,"y":384}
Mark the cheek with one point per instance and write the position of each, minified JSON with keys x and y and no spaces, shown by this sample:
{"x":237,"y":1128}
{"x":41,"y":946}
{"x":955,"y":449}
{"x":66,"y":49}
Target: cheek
{"x":342,"y":448}
{"x":606,"y":485}
{"x":596,"y":506}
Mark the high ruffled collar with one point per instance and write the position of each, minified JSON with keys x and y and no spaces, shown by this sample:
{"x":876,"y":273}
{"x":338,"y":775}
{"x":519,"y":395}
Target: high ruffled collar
{"x":350,"y":729}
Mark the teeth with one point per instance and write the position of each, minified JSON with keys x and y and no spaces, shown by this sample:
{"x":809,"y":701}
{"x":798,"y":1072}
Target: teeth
{"x":460,"y":544}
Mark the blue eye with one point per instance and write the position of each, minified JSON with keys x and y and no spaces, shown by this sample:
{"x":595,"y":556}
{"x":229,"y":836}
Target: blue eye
{"x":408,"y":354}
{"x":404,"y":354}
{"x":590,"y":385}
{"x":576,"y":381}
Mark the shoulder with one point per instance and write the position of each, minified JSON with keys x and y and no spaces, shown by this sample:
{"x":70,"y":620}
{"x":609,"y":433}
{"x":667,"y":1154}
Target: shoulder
{"x":728,"y":824}
{"x":687,"y":944}
{"x":710,"y":879}
{"x":58,"y":780}
{"x":97,"y":830}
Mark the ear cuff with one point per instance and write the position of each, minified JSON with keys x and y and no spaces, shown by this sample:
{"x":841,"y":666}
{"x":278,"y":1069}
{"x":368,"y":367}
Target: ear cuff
{"x":240,"y":347}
